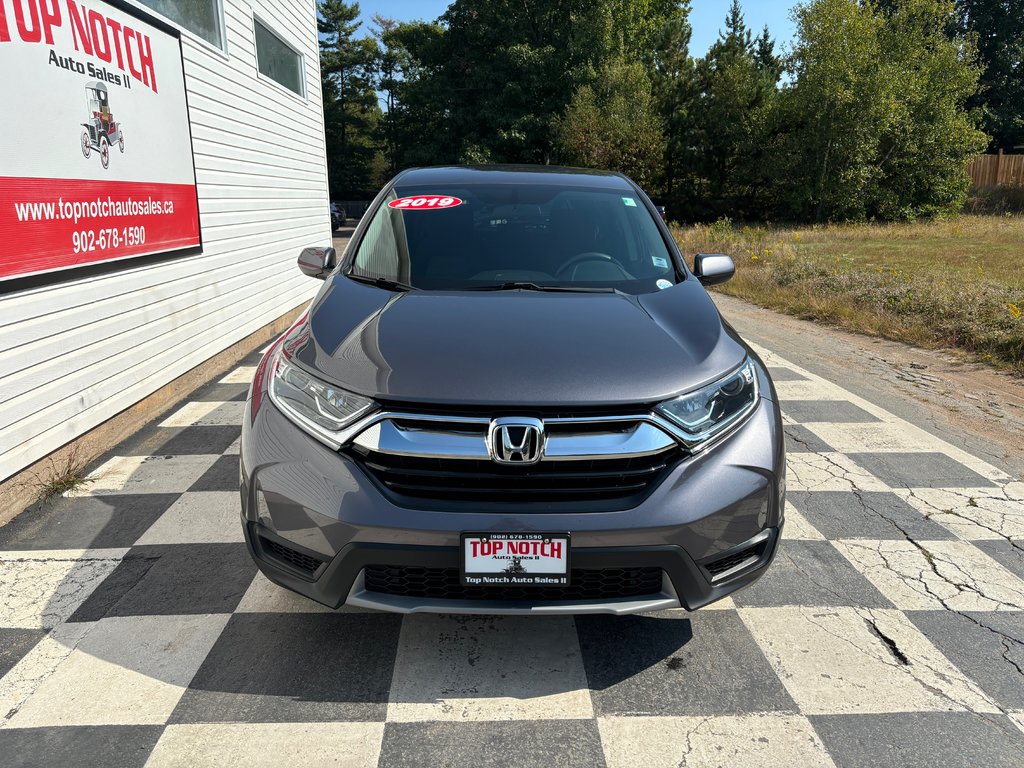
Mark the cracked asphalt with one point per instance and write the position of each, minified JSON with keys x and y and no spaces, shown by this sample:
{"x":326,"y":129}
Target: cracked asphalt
{"x":135,"y":631}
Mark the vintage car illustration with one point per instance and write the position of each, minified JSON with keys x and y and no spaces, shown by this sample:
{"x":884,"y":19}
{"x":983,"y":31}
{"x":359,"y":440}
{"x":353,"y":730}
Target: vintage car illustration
{"x":101,"y":130}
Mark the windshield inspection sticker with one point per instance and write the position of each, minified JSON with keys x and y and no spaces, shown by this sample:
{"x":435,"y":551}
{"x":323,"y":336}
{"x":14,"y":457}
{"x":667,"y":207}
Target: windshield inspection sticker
{"x":663,"y":284}
{"x":425,"y":203}
{"x":659,"y":262}
{"x":629,"y":201}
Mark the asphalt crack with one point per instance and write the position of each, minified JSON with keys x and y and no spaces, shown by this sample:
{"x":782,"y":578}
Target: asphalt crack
{"x":965,"y":582}
{"x":889,"y":643}
{"x":972,"y":501}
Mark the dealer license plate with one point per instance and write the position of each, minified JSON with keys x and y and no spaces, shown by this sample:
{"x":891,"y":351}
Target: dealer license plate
{"x":515,"y":559}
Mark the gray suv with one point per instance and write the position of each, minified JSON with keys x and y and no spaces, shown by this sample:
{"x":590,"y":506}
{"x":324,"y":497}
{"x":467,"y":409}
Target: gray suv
{"x":511,"y":395}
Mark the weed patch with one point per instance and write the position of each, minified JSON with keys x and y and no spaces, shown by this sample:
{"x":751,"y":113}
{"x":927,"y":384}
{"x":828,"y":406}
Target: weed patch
{"x":61,"y":475}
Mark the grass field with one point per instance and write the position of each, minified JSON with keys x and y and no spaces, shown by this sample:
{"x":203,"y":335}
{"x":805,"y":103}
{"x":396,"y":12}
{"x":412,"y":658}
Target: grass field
{"x":957,"y":283}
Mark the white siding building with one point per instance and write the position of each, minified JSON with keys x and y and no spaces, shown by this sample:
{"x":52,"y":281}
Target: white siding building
{"x":78,"y":351}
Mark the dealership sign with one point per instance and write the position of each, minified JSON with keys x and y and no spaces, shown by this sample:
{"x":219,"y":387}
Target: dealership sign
{"x":96,"y":162}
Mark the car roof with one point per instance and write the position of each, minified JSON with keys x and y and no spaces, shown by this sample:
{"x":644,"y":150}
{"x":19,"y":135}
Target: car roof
{"x":548,"y":175}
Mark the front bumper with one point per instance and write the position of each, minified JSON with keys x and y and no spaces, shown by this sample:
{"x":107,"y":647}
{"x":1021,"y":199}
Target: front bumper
{"x":685,"y":583}
{"x":314,"y":521}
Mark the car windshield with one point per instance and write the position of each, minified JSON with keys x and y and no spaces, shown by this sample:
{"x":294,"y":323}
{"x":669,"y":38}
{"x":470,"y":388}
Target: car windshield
{"x":514,"y":236}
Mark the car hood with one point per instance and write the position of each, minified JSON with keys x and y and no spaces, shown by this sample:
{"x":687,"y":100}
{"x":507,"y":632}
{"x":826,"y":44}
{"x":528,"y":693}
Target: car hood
{"x":517,"y":348}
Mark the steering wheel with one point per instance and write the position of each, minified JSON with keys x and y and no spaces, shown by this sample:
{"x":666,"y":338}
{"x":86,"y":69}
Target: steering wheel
{"x":580,"y":258}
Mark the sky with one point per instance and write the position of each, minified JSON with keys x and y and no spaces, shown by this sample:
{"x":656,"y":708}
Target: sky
{"x":707,"y":17}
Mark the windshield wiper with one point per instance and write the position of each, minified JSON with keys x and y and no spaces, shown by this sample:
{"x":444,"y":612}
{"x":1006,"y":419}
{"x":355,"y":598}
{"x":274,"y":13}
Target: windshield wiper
{"x":522,"y":286}
{"x":381,"y":282}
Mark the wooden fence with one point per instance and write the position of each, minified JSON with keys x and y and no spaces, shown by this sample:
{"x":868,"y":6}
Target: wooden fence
{"x":996,"y":170}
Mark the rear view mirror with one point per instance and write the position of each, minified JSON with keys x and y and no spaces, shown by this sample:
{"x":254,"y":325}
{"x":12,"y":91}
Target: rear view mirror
{"x":318,"y":262}
{"x":713,"y":268}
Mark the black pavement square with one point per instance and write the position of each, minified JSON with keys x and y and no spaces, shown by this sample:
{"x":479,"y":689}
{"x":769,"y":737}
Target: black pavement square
{"x":85,"y":746}
{"x":831,"y":411}
{"x":222,"y":476}
{"x":306,"y":667}
{"x":531,"y":744}
{"x":14,"y":644}
{"x":811,"y":573}
{"x":800,"y":439}
{"x":128,"y":574}
{"x":865,"y":515}
{"x":920,"y":470}
{"x":180,"y":441}
{"x":220,"y":393}
{"x":88,"y":522}
{"x":781,"y":373}
{"x":705,"y":663}
{"x":172,"y":579}
{"x":1009,"y":554}
{"x":921,"y":740}
{"x":986,"y":646}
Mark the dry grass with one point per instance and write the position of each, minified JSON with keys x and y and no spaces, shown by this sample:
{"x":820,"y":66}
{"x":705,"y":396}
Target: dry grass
{"x":62,"y":474}
{"x":957,"y":283}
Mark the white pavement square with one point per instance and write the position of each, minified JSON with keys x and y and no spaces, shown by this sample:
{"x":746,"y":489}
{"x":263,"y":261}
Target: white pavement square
{"x":196,"y":518}
{"x":126,"y":670}
{"x":147,"y":474}
{"x":464,"y":668}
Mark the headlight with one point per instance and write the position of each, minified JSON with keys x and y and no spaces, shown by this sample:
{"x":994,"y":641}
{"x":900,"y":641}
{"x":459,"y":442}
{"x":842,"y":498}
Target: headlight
{"x":714,"y":409}
{"x":320,"y":408}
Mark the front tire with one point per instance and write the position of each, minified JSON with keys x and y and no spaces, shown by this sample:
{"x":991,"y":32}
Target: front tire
{"x":120,"y":141}
{"x":86,"y":145}
{"x":104,"y":152}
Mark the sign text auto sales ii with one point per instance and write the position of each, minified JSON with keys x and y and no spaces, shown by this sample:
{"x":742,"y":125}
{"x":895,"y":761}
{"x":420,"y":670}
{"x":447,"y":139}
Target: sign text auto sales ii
{"x":92,"y":33}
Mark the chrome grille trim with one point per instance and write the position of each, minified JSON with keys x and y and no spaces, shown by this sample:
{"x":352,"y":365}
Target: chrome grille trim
{"x":466,"y":438}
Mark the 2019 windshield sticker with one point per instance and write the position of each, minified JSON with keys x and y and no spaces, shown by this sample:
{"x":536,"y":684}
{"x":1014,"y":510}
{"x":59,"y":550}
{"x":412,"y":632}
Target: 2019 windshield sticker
{"x":425,"y":203}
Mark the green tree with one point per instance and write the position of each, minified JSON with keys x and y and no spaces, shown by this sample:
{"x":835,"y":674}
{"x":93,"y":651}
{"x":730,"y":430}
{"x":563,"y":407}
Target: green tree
{"x":490,"y":82}
{"x":734,"y":82}
{"x":997,"y":29}
{"x":511,"y":69}
{"x":614,"y":124}
{"x":675,"y":91}
{"x":419,"y":99}
{"x":635,"y":28}
{"x":929,"y":134}
{"x":874,"y":122}
{"x":351,"y":111}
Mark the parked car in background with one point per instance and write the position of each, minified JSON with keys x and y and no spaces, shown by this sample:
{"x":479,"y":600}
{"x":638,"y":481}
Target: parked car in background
{"x":338,"y":216}
{"x":512,"y":396}
{"x":661,"y":212}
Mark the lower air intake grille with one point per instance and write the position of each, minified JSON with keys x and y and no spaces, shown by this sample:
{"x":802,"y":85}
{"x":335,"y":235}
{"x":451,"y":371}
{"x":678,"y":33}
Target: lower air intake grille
{"x":291,"y":556}
{"x":749,"y":555}
{"x":443,"y":583}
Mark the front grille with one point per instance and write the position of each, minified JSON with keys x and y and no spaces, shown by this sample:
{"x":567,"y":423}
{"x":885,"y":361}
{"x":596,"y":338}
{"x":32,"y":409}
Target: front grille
{"x":443,"y":583}
{"x":455,"y":480}
{"x":291,"y":556}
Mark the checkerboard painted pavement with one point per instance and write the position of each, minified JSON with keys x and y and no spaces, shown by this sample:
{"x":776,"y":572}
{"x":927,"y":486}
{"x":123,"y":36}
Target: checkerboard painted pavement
{"x":134,"y":629}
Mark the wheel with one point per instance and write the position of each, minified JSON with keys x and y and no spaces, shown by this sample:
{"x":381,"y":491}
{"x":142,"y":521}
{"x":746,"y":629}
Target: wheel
{"x":104,"y":152}
{"x":120,"y":141}
{"x":86,"y":144}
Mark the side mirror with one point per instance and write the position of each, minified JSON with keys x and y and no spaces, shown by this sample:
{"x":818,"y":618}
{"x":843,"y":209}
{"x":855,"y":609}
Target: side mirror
{"x":318,"y":262}
{"x":713,"y":268}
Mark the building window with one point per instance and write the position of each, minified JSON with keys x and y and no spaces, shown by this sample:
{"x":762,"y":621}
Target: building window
{"x":201,"y":17}
{"x":277,"y":60}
